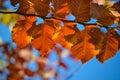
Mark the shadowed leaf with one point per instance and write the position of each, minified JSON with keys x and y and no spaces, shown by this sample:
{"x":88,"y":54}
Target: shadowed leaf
{"x":80,"y":9}
{"x":41,"y":6}
{"x":60,"y":8}
{"x":102,"y":14}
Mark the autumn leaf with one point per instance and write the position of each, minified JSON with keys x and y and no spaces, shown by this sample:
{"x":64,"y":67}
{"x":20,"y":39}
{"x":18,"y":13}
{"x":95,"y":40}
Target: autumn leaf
{"x":116,"y":9}
{"x":102,"y":14}
{"x":41,"y":6}
{"x":80,"y":9}
{"x":53,"y":22}
{"x":14,"y":72}
{"x":97,"y":37}
{"x":117,"y":6}
{"x":19,"y":34}
{"x":60,"y":8}
{"x":7,"y":19}
{"x":42,"y":37}
{"x":61,"y":32}
{"x":109,"y":46}
{"x":84,"y":43}
{"x":24,"y":5}
{"x":101,"y":2}
{"x":1,"y":4}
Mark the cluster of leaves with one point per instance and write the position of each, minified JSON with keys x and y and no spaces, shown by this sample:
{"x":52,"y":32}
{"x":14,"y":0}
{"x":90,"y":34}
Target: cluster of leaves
{"x":84,"y":44}
{"x":18,"y":62}
{"x":57,"y":29}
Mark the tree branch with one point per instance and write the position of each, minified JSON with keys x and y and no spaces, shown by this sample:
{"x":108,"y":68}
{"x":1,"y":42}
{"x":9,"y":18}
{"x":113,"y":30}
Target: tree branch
{"x":44,"y":17}
{"x":74,"y":72}
{"x":63,"y":20}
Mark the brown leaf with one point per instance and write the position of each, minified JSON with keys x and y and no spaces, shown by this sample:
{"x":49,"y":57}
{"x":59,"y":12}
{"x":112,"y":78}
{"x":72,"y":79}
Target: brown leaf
{"x":24,"y":5}
{"x":102,"y":14}
{"x":41,"y":6}
{"x":84,"y":43}
{"x":14,"y":72}
{"x":109,"y":46}
{"x":117,"y":6}
{"x":64,"y":65}
{"x":1,"y":4}
{"x":97,"y":37}
{"x":29,"y":72}
{"x":80,"y":9}
{"x":60,"y":8}
{"x":42,"y":38}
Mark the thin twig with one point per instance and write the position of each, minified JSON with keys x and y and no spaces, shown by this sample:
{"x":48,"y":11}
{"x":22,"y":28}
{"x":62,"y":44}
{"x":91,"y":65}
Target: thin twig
{"x":74,"y":72}
{"x":63,"y":20}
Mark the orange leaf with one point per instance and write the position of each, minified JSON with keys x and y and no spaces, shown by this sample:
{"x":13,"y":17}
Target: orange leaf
{"x":61,"y":32}
{"x":109,"y":46}
{"x":42,"y":38}
{"x":84,"y":44}
{"x":19,"y":34}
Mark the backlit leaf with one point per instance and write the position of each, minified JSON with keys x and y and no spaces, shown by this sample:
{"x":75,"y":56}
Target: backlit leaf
{"x":84,"y":44}
{"x":19,"y":34}
{"x":109,"y":46}
{"x":61,"y":32}
{"x":42,"y":38}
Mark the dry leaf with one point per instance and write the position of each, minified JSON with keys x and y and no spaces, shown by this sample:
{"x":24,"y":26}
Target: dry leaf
{"x":24,"y":5}
{"x":60,"y":8}
{"x":41,"y":6}
{"x":42,"y":38}
{"x":19,"y":34}
{"x":102,"y":14}
{"x":61,"y":32}
{"x":109,"y":46}
{"x":84,"y":44}
{"x":80,"y":9}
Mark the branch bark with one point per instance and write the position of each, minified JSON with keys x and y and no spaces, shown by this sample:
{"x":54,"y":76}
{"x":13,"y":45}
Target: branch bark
{"x":63,"y":20}
{"x":44,"y":17}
